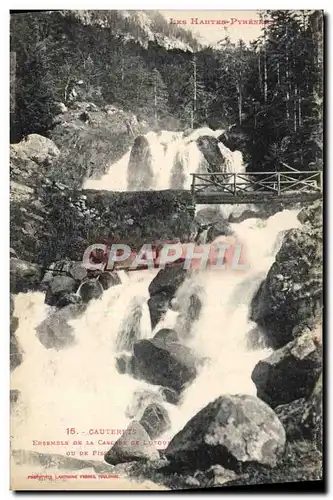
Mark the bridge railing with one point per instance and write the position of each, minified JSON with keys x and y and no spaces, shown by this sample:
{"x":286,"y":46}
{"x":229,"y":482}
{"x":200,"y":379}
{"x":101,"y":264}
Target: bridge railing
{"x":277,"y":183}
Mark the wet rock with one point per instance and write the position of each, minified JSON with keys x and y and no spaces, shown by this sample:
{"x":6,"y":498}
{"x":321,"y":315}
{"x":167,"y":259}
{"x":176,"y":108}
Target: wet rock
{"x":140,"y":400}
{"x":162,"y":290}
{"x":59,"y":287}
{"x":209,"y":147}
{"x":24,"y":276}
{"x":108,"y":279}
{"x":167,"y":280}
{"x":170,"y":395}
{"x":158,"y":306}
{"x":16,"y":353}
{"x":289,"y":373}
{"x":14,"y":396}
{"x":55,"y":332}
{"x":168,"y":364}
{"x":91,"y":289}
{"x":133,"y":445}
{"x":125,"y":363}
{"x":292,"y":291}
{"x":155,"y":420}
{"x":167,"y":335}
{"x":232,"y":431}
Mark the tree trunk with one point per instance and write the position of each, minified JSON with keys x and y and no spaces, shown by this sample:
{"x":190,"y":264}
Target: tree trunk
{"x":239,"y":90}
{"x":194,"y":89}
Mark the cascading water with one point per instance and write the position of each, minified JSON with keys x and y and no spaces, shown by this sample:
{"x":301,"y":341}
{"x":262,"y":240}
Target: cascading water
{"x":79,"y":386}
{"x":172,"y":158}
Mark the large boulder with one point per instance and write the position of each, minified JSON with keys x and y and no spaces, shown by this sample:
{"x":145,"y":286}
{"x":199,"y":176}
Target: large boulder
{"x":24,"y":276}
{"x":155,"y":420}
{"x":59,"y":287}
{"x":168,"y":364}
{"x":55,"y":332}
{"x":292,"y":290}
{"x":290,"y":372}
{"x":31,"y":158}
{"x":232,"y":431}
{"x":134,"y":445}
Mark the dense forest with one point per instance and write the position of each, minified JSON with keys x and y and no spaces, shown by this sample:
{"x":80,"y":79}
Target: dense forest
{"x":269,"y":92}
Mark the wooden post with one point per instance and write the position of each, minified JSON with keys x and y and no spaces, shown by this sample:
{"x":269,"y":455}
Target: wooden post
{"x":278,"y":183}
{"x":234,"y":183}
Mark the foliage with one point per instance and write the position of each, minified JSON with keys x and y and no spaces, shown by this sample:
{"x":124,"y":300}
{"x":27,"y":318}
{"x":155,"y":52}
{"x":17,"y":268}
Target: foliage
{"x":270,"y":90}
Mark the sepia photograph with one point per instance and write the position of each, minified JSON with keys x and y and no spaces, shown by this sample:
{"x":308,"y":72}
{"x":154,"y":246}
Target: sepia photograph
{"x":166,"y":250}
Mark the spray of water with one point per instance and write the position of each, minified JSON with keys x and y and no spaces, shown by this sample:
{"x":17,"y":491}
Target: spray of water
{"x":79,"y":386}
{"x":174,"y":158}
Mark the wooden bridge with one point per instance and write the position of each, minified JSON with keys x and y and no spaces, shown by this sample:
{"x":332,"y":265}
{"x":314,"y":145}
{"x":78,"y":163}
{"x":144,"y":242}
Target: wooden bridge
{"x":256,"y":187}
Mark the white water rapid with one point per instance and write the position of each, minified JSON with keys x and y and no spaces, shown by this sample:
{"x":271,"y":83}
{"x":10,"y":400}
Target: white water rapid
{"x":79,"y":387}
{"x":171,"y":159}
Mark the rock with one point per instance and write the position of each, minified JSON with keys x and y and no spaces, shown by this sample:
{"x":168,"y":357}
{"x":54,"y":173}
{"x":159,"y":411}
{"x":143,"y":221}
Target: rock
{"x":55,"y":332}
{"x":14,"y":396}
{"x":170,"y":395}
{"x":108,"y":279}
{"x":141,"y":399}
{"x":90,"y":289}
{"x":232,"y":431}
{"x":168,"y":281}
{"x":58,"y":288}
{"x":162,"y":290}
{"x":167,"y":335}
{"x":16,"y":353}
{"x":11,"y":304}
{"x":290,"y":415}
{"x":31,"y":157}
{"x":125,"y":363}
{"x":168,"y":364}
{"x":292,"y":291}
{"x":312,"y":214}
{"x":133,"y":445}
{"x":158,"y":306}
{"x":312,"y":418}
{"x":24,"y":276}
{"x":289,"y":373}
{"x":69,"y":298}
{"x":155,"y":420}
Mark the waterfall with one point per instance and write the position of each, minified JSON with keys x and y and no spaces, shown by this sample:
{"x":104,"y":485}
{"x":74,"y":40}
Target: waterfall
{"x":79,"y":386}
{"x":163,"y":160}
